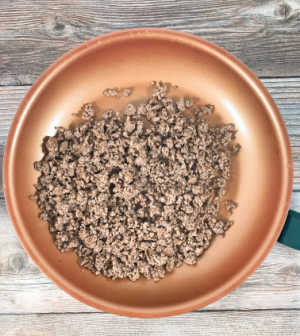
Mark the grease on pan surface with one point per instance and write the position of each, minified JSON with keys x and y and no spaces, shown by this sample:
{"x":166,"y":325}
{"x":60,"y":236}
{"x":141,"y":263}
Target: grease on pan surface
{"x":137,"y":194}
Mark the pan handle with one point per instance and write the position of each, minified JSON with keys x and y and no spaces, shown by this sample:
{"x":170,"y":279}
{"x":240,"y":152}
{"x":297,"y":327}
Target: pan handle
{"x":290,"y":234}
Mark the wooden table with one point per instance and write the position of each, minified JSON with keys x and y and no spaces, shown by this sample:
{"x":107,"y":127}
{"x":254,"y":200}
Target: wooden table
{"x":265,"y":34}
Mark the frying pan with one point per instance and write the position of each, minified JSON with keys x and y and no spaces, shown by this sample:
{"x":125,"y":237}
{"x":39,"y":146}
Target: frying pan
{"x":262,"y":172}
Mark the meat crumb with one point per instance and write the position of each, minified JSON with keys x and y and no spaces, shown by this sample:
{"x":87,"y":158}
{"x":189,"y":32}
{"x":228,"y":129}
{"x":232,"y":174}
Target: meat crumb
{"x":231,"y":206}
{"x":127,"y":92}
{"x":114,"y":92}
{"x":111,"y":92}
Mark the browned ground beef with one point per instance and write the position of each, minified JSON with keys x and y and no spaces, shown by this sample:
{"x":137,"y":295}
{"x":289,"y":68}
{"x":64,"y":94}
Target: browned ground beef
{"x":137,"y":195}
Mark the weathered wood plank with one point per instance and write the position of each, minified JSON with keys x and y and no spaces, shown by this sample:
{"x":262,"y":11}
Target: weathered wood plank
{"x":285,"y":91}
{"x":264,"y":34}
{"x":23,"y":288}
{"x":271,"y":323}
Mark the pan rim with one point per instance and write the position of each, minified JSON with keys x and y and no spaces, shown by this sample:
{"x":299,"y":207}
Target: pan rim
{"x":243,"y":71}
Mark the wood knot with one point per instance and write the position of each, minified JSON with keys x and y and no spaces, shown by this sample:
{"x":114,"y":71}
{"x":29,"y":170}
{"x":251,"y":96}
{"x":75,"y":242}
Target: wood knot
{"x":284,"y":11}
{"x":17,"y":262}
{"x":58,"y":27}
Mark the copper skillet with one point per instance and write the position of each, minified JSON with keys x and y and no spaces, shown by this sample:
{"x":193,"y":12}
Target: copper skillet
{"x":262,"y":174}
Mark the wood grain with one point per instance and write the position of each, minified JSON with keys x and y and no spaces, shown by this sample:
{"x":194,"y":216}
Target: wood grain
{"x":271,"y":323}
{"x":23,"y":288}
{"x":263,"y":34}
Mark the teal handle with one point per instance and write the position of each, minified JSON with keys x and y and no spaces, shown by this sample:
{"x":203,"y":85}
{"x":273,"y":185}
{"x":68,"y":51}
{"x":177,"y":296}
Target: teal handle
{"x":290,"y":234}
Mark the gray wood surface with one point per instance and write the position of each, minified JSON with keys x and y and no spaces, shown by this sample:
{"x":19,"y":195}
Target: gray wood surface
{"x":255,"y":323}
{"x":265,"y":34}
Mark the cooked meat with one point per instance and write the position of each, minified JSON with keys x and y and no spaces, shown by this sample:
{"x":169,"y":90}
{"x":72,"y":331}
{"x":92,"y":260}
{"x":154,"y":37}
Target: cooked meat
{"x":137,"y":195}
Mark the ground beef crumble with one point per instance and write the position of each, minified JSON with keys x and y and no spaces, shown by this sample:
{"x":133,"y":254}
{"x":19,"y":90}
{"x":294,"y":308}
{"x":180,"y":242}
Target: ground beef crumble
{"x":138,"y":194}
{"x":114,"y":92}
